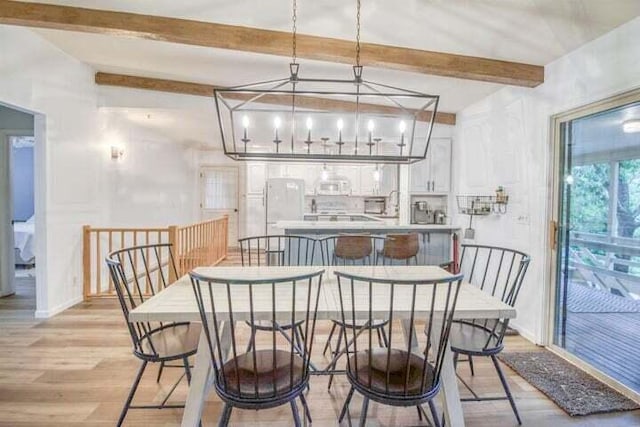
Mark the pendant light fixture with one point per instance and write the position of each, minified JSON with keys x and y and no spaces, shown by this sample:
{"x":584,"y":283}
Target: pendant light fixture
{"x":324,"y":119}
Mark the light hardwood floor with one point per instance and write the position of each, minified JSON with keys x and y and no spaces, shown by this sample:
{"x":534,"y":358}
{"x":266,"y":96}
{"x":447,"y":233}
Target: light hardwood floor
{"x":76,"y":368}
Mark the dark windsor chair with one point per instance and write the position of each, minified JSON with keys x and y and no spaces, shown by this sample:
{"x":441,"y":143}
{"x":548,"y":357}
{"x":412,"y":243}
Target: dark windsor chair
{"x":350,"y":249}
{"x":399,"y":374}
{"x":400,"y":247}
{"x":277,"y":250}
{"x":499,"y":272}
{"x":138,"y":273}
{"x":271,"y":373}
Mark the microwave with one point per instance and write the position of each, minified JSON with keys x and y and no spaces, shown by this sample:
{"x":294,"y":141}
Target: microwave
{"x":334,"y":187}
{"x":375,"y":205}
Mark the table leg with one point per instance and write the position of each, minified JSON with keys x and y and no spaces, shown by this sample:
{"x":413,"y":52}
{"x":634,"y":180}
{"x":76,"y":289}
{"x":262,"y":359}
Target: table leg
{"x":202,"y":377}
{"x":449,"y":394}
{"x":406,"y":330}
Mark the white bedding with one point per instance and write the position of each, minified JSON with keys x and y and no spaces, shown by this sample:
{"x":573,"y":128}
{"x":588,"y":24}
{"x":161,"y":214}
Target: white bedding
{"x":23,"y":239}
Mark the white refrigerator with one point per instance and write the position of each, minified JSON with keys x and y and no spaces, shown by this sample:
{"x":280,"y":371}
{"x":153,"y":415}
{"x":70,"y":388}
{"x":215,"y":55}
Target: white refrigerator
{"x":284,"y":202}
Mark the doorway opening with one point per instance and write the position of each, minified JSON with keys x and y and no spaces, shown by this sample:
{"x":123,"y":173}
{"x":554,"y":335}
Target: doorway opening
{"x":596,"y":303}
{"x":17,"y":216}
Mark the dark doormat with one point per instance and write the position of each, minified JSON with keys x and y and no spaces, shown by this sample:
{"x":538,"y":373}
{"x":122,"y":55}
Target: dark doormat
{"x":572,"y":389}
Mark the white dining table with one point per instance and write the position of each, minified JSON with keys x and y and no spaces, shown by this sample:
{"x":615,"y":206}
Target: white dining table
{"x":177,"y":303}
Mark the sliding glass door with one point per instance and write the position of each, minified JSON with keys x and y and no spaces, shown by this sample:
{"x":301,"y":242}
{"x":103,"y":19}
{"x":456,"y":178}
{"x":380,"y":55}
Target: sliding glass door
{"x":597,"y":298}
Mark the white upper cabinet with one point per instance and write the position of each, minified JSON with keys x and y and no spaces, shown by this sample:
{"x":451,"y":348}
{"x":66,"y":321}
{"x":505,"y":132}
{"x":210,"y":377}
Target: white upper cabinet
{"x":256,"y":177}
{"x":368,"y":186}
{"x":433,"y":174}
{"x":389,"y":180}
{"x":440,"y":165}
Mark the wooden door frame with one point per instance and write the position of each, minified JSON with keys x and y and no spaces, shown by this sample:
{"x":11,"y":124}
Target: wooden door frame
{"x":553,"y":216}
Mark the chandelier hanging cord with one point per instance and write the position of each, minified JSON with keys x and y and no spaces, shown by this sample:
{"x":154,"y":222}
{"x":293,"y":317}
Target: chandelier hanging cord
{"x":357,"y":33}
{"x":294,"y":29}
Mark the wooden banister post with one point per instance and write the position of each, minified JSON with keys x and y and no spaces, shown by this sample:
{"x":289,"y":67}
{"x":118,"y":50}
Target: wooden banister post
{"x":226,"y":237}
{"x":86,"y":261}
{"x":173,"y":240}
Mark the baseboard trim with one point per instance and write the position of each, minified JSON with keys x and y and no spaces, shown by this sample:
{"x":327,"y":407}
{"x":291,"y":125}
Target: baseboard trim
{"x":45,"y":314}
{"x":524,"y":333}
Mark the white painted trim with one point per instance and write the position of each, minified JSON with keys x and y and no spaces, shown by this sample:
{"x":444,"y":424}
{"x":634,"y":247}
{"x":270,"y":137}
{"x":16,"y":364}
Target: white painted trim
{"x":550,"y":284}
{"x":45,"y":314}
{"x":524,"y":333}
{"x":599,"y":375}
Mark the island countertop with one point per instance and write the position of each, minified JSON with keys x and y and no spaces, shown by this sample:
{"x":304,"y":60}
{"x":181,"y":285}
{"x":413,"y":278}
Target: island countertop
{"x":330,"y":227}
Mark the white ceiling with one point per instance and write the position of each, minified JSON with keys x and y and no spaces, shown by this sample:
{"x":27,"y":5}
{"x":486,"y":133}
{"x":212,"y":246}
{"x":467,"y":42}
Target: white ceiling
{"x":531,"y":31}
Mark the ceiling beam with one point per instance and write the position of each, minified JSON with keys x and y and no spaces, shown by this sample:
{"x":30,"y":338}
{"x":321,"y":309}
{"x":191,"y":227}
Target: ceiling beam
{"x":200,"y":89}
{"x":267,"y":42}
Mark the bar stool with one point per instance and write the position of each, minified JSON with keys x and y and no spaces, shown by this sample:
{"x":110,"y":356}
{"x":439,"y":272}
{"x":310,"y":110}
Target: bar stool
{"x":400,"y":247}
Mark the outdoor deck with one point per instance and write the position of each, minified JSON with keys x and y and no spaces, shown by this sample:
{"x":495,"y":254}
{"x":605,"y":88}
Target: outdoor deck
{"x":604,"y":330}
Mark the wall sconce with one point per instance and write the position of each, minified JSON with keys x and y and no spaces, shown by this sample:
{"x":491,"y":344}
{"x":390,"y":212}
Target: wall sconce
{"x":116,"y":152}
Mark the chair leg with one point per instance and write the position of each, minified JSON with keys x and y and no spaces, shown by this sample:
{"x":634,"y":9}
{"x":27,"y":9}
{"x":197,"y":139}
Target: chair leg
{"x":326,"y":346}
{"x":379,"y":337}
{"x":225,"y":416}
{"x":301,"y":332}
{"x":345,"y":407}
{"x":384,"y":337}
{"x":298,"y":339}
{"x":307,"y":413}
{"x":252,"y":339}
{"x":341,"y":332}
{"x":296,"y":415}
{"x":505,"y":385}
{"x":363,"y":413}
{"x":434,"y":414}
{"x":160,"y":372}
{"x":132,"y":392}
{"x":187,"y":369}
{"x":471,"y":365}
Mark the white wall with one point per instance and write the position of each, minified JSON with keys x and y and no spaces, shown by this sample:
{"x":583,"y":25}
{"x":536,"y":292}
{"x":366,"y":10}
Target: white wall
{"x":77,"y":183}
{"x":504,"y":140}
{"x":153,"y":183}
{"x":40,"y":78}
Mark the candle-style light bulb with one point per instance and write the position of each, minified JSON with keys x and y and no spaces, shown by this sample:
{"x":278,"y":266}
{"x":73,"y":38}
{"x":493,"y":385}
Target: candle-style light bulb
{"x":276,"y":124}
{"x":370,"y":126}
{"x":340,"y":126}
{"x":245,"y":125}
{"x":309,"y":126}
{"x":403,"y":127}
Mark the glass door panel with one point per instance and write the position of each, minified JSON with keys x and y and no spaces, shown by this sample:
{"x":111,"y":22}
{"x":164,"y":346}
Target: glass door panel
{"x":598,"y":263}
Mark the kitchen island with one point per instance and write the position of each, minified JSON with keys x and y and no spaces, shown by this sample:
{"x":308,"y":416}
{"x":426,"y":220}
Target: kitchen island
{"x":436,"y":240}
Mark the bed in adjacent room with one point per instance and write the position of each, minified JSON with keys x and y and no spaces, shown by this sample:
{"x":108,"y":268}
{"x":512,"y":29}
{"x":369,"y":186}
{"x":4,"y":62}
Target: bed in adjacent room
{"x":23,"y":238}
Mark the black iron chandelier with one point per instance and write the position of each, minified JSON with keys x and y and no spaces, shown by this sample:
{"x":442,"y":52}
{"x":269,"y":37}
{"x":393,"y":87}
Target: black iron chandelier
{"x":327,"y":120}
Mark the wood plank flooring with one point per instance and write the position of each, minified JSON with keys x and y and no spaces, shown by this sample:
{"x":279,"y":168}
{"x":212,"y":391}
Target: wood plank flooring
{"x":76,"y":368}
